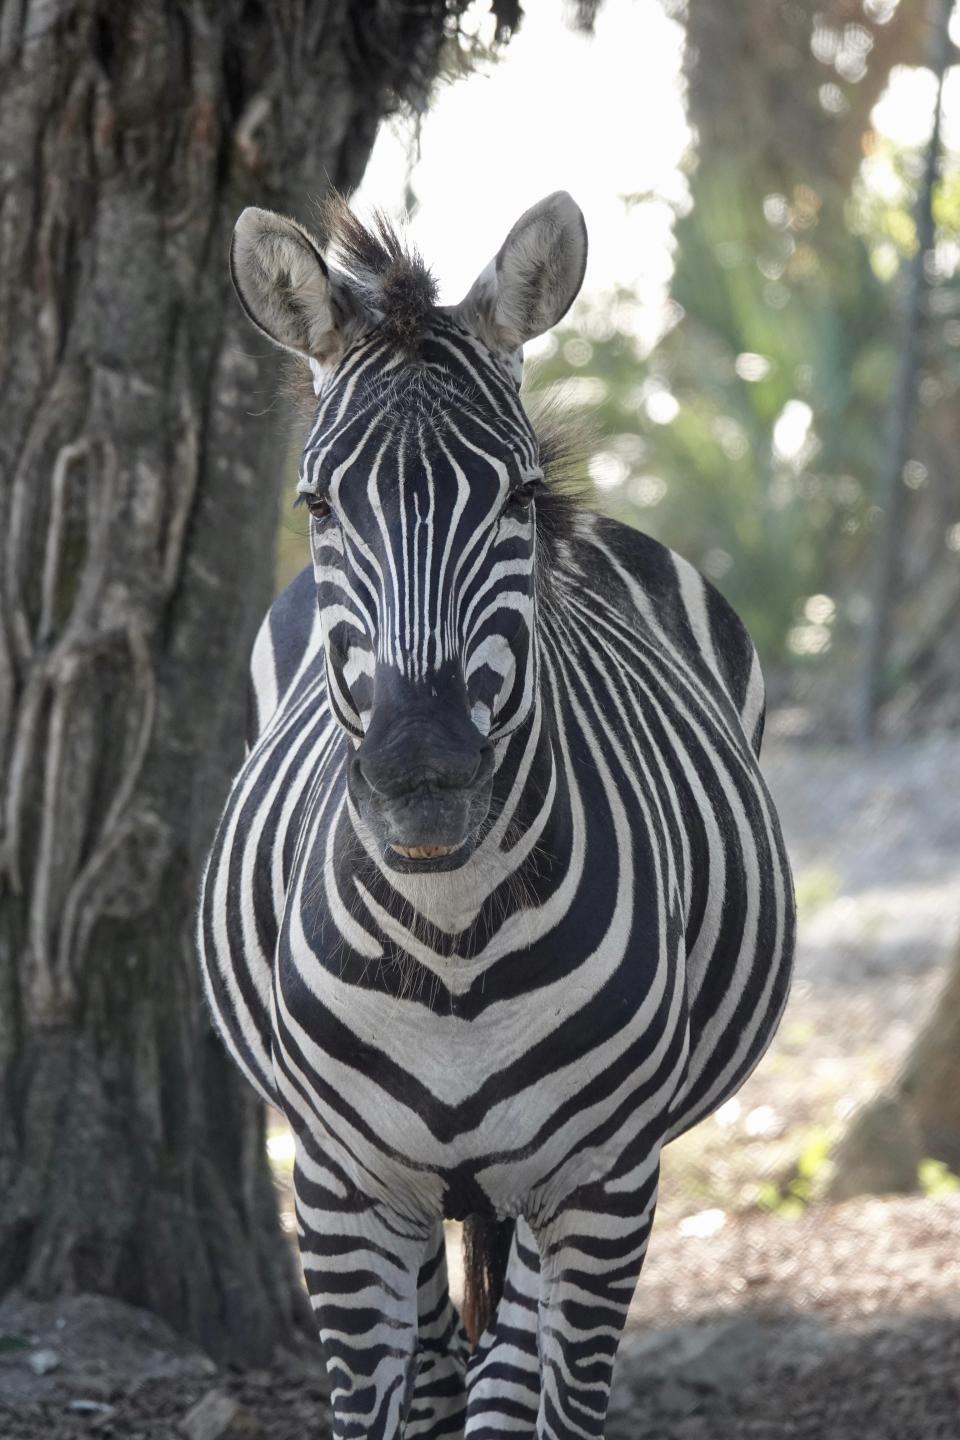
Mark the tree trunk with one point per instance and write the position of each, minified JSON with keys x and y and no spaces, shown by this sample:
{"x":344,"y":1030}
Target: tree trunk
{"x":755,"y":73}
{"x":919,"y":1119}
{"x":139,"y":490}
{"x":889,"y":490}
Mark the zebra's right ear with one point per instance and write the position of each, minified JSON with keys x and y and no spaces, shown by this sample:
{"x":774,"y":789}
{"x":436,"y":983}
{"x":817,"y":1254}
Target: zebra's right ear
{"x":533,"y":279}
{"x":283,"y":284}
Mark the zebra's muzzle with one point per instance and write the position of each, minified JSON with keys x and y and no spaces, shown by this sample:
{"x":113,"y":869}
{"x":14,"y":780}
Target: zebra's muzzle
{"x":429,"y":828}
{"x":422,"y":778}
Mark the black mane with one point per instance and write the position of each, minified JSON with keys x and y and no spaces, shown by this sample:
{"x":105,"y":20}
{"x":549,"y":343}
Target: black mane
{"x":385,"y":273}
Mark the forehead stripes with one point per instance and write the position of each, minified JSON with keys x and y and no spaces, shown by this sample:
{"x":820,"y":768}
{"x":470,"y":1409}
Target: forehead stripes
{"x":416,"y":543}
{"x":415,"y":435}
{"x":454,"y":376}
{"x":417,"y":464}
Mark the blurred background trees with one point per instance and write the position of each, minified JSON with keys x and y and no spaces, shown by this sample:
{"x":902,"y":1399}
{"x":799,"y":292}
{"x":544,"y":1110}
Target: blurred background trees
{"x":779,"y":422}
{"x":753,"y":436}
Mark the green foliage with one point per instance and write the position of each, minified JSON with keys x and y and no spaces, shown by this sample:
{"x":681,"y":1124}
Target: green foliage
{"x":881,"y":206}
{"x":815,"y":888}
{"x":935,"y":1178}
{"x":750,"y":437}
{"x":747,"y":438}
{"x":806,"y":1181}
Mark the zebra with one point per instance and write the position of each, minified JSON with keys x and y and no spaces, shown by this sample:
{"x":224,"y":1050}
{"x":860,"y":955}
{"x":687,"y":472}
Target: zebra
{"x":499,"y":902}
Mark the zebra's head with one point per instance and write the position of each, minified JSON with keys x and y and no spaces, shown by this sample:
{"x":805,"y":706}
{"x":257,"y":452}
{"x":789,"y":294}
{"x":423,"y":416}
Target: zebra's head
{"x":421,"y":472}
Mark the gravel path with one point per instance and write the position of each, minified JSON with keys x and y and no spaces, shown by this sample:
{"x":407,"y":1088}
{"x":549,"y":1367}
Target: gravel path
{"x":842,"y":1324}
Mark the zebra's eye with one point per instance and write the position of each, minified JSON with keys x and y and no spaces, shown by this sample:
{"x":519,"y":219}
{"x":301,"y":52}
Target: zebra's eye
{"x":318,"y":505}
{"x":521,"y":495}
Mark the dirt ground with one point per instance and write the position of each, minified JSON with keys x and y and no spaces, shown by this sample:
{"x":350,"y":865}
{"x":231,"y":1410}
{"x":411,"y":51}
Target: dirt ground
{"x":841,"y":1325}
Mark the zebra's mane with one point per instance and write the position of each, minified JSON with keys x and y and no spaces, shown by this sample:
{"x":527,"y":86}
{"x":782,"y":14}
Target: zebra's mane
{"x":385,"y":273}
{"x":565,"y":443}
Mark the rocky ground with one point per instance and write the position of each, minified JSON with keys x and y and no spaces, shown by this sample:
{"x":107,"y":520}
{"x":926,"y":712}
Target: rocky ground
{"x":842,"y":1323}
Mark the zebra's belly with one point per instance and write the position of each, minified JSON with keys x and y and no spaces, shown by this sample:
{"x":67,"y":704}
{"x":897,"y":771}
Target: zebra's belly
{"x":503,"y":1112}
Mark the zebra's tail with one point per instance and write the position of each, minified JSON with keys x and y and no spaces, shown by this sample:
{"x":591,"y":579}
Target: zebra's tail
{"x":486,"y":1248}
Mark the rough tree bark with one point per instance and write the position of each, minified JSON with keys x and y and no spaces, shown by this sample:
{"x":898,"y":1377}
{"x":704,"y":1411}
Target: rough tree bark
{"x":917,"y":1119}
{"x":139,"y":488}
{"x":889,"y":488}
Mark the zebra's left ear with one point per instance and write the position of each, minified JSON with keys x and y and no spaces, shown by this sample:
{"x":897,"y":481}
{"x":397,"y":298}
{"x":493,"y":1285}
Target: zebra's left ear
{"x":532,"y":280}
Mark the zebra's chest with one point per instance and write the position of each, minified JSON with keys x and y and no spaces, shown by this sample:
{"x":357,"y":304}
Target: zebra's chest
{"x":448,"y":1044}
{"x":448,"y":1099}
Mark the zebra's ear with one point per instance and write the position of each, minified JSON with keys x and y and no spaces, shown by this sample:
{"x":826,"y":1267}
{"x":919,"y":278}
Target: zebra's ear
{"x":533,"y":279}
{"x":285,"y":288}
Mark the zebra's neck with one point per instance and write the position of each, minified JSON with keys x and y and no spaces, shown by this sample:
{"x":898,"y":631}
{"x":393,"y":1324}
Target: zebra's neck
{"x":485,"y":908}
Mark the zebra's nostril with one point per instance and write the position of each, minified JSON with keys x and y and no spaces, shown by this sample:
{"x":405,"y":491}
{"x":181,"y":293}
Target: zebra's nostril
{"x":410,"y":780}
{"x":484,"y":762}
{"x":421,"y":737}
{"x":359,"y":772}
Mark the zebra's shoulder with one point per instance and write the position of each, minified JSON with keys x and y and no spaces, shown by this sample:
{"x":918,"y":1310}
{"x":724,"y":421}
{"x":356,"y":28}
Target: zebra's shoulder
{"x":287,"y":643}
{"x":631,"y":570}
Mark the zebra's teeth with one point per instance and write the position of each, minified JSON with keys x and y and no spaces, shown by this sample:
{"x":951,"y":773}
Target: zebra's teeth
{"x":422,"y":852}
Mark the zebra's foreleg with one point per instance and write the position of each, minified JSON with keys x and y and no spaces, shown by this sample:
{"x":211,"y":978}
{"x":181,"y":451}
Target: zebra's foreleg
{"x":439,"y":1397}
{"x":591,"y":1256}
{"x":361,"y":1265}
{"x":503,"y":1379}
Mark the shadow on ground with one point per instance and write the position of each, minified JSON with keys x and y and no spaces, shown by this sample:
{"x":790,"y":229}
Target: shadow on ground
{"x":843,"y":1325}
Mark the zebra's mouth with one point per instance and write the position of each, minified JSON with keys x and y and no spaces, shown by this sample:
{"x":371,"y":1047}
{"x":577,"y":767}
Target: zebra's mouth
{"x":423,"y":852}
{"x":427,"y":859}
